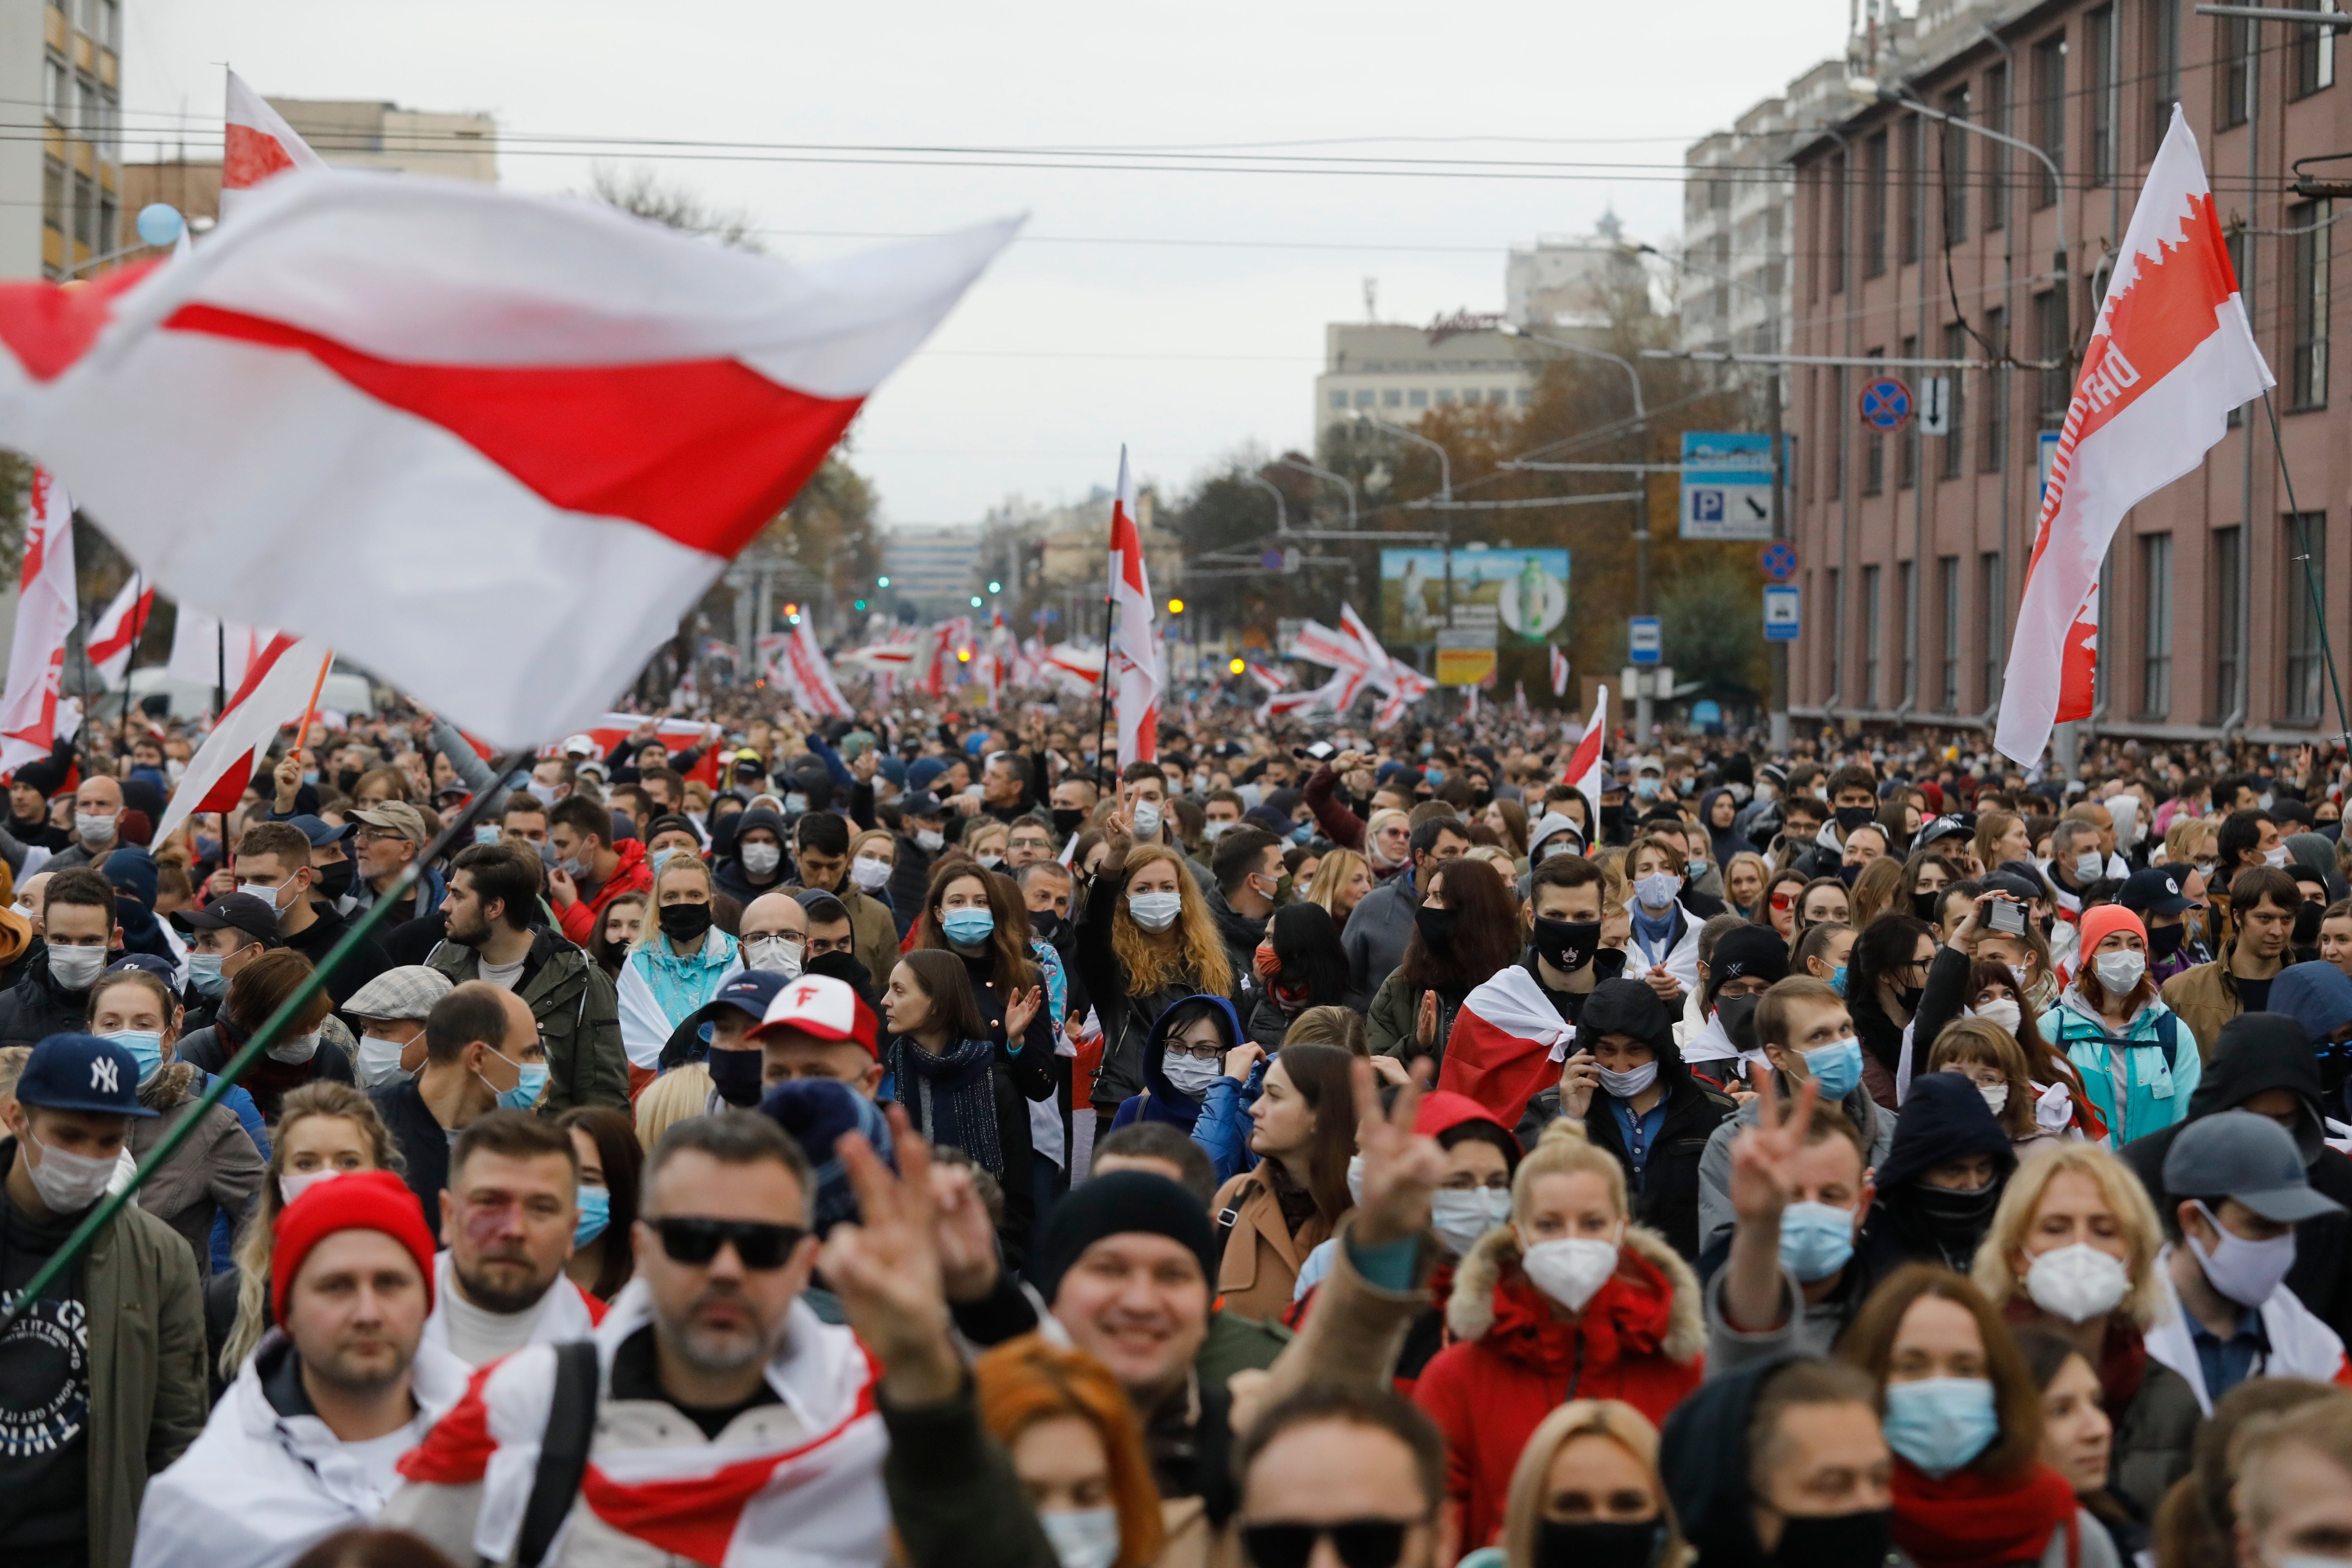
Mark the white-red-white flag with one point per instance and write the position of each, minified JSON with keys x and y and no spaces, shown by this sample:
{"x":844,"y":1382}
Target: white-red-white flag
{"x":1588,"y":763}
{"x":1134,"y":643}
{"x":1268,"y":676}
{"x":276,"y":691}
{"x":1507,"y":1045}
{"x":809,"y":677}
{"x":370,"y":374}
{"x":46,"y":612}
{"x":114,"y":636}
{"x":258,"y":145}
{"x":209,"y":651}
{"x":2171,"y":355}
{"x":1559,"y":671}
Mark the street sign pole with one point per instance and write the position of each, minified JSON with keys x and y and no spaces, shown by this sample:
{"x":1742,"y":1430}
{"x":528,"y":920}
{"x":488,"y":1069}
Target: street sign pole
{"x":1780,"y":738}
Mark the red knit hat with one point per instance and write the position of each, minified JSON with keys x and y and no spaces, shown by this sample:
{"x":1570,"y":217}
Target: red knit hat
{"x":2103,"y":923}
{"x":360,"y":1200}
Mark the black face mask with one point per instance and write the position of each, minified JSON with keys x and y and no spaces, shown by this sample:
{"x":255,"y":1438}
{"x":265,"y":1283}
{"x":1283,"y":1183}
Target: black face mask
{"x":2163,"y":941}
{"x":1909,"y":996}
{"x":1436,"y":927}
{"x":1566,"y":945}
{"x":686,"y":922}
{"x":1046,"y":924}
{"x":1067,"y":821}
{"x":347,"y":779}
{"x":1927,"y":907}
{"x":1846,"y":874}
{"x":2306,"y":924}
{"x":1850,"y":817}
{"x":1613,"y":821}
{"x":1560,"y":1545}
{"x":1609,"y":964}
{"x":335,"y":880}
{"x":1835,"y":1540}
{"x":1956,"y":1217}
{"x":734,"y":1074}
{"x":1737,"y":1016}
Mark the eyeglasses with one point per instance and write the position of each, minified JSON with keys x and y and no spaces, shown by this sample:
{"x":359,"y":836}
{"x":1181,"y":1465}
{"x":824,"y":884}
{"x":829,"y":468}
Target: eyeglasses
{"x":1360,"y":1542}
{"x":1784,"y":900}
{"x":692,"y":1240}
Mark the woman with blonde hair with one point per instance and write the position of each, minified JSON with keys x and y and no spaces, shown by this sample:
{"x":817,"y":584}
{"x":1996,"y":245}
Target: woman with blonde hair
{"x":1078,"y":1451}
{"x":2073,"y":1248}
{"x":680,"y":1093}
{"x":1880,"y":887}
{"x":1508,"y":818}
{"x":1744,"y":880}
{"x":1587,"y":1491}
{"x":678,"y":962}
{"x":1990,"y":1057}
{"x":1340,"y":884}
{"x":2001,"y":837}
{"x":985,"y":841}
{"x":1388,"y":842}
{"x":1145,"y":942}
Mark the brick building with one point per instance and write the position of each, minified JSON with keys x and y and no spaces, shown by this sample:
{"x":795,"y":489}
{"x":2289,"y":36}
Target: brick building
{"x":1914,"y":547}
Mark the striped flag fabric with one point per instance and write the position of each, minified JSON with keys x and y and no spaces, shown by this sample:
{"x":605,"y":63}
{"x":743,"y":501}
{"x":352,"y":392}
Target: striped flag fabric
{"x":114,"y":636}
{"x":1134,"y":644}
{"x":809,"y":676}
{"x":276,"y":690}
{"x":1505,"y":1046}
{"x":46,"y":608}
{"x":1588,"y":764}
{"x":1559,"y":671}
{"x":257,"y":145}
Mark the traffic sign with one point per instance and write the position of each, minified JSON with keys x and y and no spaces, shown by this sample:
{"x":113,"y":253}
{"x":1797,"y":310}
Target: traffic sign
{"x":1779,"y":561}
{"x":2046,"y":457}
{"x":1726,"y":485}
{"x":1782,"y":615}
{"x":1642,"y":644}
{"x":1935,"y":406}
{"x":1886,"y":404}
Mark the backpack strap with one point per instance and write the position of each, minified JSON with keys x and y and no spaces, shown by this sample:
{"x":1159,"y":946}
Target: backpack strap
{"x":562,"y":1451}
{"x":2168,"y":1035}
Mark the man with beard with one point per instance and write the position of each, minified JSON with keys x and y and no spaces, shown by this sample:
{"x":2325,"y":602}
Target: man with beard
{"x":508,"y":1216}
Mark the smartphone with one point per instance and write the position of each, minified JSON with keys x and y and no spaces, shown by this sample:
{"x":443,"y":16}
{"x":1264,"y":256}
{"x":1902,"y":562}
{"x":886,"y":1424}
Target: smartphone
{"x":2004,"y":916}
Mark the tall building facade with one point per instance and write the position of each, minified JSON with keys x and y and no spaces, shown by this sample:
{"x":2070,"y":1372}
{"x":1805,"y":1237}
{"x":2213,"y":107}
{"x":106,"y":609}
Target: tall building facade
{"x":61,"y":201}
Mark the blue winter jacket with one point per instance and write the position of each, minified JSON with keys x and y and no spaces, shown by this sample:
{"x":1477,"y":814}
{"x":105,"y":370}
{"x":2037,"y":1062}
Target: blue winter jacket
{"x":1162,"y":1101}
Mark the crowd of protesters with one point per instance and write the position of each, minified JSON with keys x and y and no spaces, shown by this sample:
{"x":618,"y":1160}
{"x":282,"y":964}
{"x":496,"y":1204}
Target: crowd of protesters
{"x":903,"y":1138}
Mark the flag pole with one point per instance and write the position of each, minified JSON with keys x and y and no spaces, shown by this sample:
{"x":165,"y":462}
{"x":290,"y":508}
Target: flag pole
{"x":1102,"y":723}
{"x":311,"y":709}
{"x":2310,"y":582}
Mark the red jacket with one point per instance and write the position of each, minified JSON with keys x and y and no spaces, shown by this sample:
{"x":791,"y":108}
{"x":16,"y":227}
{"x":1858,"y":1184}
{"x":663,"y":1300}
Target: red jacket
{"x":1641,"y":1338}
{"x":579,"y":917}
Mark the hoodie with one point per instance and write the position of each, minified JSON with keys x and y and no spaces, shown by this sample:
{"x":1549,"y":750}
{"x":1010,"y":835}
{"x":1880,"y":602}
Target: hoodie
{"x":728,"y":870}
{"x":1704,"y":1459}
{"x":131,"y":872}
{"x":1944,"y":1119}
{"x":2257,"y":1052}
{"x":1726,"y":841}
{"x":2319,"y":997}
{"x":1163,"y":1101}
{"x":1673,"y":1137}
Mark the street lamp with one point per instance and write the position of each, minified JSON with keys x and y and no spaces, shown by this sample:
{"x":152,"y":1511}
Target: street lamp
{"x":1869,"y":90}
{"x":1444,"y":487}
{"x":1281,"y":512}
{"x":1304,"y":467}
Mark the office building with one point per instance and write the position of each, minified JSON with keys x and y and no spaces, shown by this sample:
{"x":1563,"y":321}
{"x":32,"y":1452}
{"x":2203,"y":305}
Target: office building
{"x":61,"y":201}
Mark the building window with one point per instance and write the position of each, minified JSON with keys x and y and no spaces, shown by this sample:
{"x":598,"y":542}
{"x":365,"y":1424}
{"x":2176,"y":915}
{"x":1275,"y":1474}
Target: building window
{"x":2307,"y":302}
{"x":52,"y":194}
{"x":1498,"y":396}
{"x":2162,"y":33}
{"x":1526,"y":396}
{"x":2227,"y":583}
{"x":1363,"y":397}
{"x":1445,"y":398}
{"x":59,"y":89}
{"x":1995,"y":450}
{"x":1837,"y":200}
{"x":1996,"y":156}
{"x":1948,"y":591}
{"x":1910,"y":578}
{"x":2307,"y":551}
{"x":1907,"y":455}
{"x":2107,"y":94}
{"x":1418,"y":397}
{"x":1338,"y":400}
{"x":2048,"y":113}
{"x":84,"y":223}
{"x":106,"y":211}
{"x":2233,"y":70}
{"x":2315,"y":51}
{"x":1992,"y":590}
{"x":2155,"y":625}
{"x":1392,"y":397}
{"x":2052,"y":344}
{"x":1874,"y":205}
{"x":1956,"y":169}
{"x":1956,"y":415}
{"x":1870,"y":637}
{"x":1914,"y":187}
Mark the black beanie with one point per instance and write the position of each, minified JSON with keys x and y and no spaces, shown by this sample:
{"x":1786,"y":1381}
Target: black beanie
{"x":1121,"y":1202}
{"x":1749,"y":951}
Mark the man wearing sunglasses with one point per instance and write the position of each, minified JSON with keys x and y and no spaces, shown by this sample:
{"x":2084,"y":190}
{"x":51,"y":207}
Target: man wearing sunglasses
{"x":1359,"y":1470}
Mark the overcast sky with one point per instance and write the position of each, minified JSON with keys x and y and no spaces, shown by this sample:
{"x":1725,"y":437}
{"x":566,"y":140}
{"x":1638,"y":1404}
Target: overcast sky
{"x":1072,"y":344}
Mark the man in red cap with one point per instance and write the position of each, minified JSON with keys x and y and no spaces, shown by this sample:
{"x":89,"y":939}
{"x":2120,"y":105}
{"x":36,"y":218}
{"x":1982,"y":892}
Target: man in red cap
{"x":306,"y":1440}
{"x":819,"y":1028}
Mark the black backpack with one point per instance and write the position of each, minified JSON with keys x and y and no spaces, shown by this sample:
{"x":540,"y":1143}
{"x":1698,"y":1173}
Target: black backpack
{"x":563,"y":1452}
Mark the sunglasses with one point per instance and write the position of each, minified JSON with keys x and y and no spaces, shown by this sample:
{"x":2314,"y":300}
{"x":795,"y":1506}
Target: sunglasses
{"x":1360,"y":1542}
{"x":1784,"y":900}
{"x":695,"y":1241}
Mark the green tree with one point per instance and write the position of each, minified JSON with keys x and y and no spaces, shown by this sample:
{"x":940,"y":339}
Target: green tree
{"x":1710,"y":619}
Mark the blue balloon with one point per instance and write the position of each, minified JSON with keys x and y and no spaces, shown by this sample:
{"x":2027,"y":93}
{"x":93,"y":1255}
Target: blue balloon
{"x":159,"y":222}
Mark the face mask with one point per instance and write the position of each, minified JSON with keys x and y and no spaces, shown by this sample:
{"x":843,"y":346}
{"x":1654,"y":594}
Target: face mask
{"x":869,"y":872}
{"x":762,"y":859}
{"x":575,"y":868}
{"x":282,"y":898}
{"x":145,"y":1046}
{"x":2087,"y":866}
{"x":525,"y":1095}
{"x":2245,"y":1272}
{"x":686,"y":922}
{"x":1837,"y":980}
{"x":1657,"y":890}
{"x":1847,"y":874}
{"x":1067,"y":820}
{"x":1597,"y":1543}
{"x":795,"y":803}
{"x":486,"y":833}
{"x":2273,"y":857}
{"x":1695,"y":869}
{"x":1566,"y":945}
{"x":379,"y":1061}
{"x":94,"y":827}
{"x":1435,"y":926}
{"x":2264,"y":800}
{"x":929,"y":841}
{"x":1147,"y":821}
{"x":2163,"y":941}
{"x":1939,"y":1424}
{"x":1646,"y":787}
{"x":2016,"y":974}
{"x":1189,"y":1074}
{"x":543,"y":793}
{"x":1996,"y":1095}
{"x":968,"y":926}
{"x":1214,"y":831}
{"x":1045,"y":923}
{"x":1355,"y":1178}
{"x":205,"y":974}
{"x":1807,"y":1541}
{"x":292,"y":1184}
{"x":595,"y":1213}
{"x":295,"y":1050}
{"x":776,"y":954}
{"x":2005,"y":1012}
{"x":1816,"y":1240}
{"x":1082,"y":1537}
{"x":1849,"y":818}
{"x":1154,"y":911}
{"x":1460,"y":1218}
{"x":1626,"y":1085}
{"x":67,"y":1182}
{"x":2120,"y":972}
{"x":1927,"y":907}
{"x":76,"y":968}
{"x":335,"y":881}
{"x":1569,"y":1271}
{"x":735,"y":1075}
{"x":1836,"y":1066}
{"x":2077,"y":1283}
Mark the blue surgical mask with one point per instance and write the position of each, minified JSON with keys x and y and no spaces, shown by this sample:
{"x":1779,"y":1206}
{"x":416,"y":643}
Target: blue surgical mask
{"x":1940,"y":1423}
{"x":1837,"y":980}
{"x":1302,"y":833}
{"x":486,"y":833}
{"x":1836,"y":1068}
{"x":971,"y":927}
{"x":205,"y":974}
{"x":525,"y":1093}
{"x":1816,"y":1240}
{"x":595,"y":1213}
{"x":145,"y":1046}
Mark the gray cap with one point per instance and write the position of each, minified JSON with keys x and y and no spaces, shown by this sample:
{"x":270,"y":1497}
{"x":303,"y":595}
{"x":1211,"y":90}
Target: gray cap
{"x":2238,"y":1154}
{"x":398,"y":994}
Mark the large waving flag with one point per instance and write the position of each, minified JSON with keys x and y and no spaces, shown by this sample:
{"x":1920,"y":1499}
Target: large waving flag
{"x":114,"y":636}
{"x":809,"y":677}
{"x":280,"y":687}
{"x":366,"y":378}
{"x":258,"y":145}
{"x":1505,"y":1046}
{"x":1134,"y":645}
{"x":2171,"y":355}
{"x":46,"y":612}
{"x":1586,"y":768}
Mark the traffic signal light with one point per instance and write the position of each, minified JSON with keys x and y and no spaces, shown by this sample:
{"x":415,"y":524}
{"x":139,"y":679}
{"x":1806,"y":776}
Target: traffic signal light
{"x":1175,"y":606}
{"x":1236,"y":666}
{"x":881,"y":581}
{"x":861,"y":604}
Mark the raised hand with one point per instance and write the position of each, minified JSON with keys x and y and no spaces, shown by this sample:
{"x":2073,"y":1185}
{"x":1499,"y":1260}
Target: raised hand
{"x":1021,"y":1011}
{"x":1119,"y":832}
{"x":885,"y":1267}
{"x":1424,"y":1023}
{"x":1401,"y":1169}
{"x":561,"y":889}
{"x":1761,"y":1185}
{"x":1579,"y":1076}
{"x":966,"y":1240}
{"x":1242,"y":1058}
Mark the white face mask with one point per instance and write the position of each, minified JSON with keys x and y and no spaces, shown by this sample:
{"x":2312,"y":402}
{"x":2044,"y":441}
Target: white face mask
{"x":1082,"y":1537}
{"x":1147,"y":821}
{"x":2077,"y":1283}
{"x":67,"y":1182}
{"x":295,"y":1050}
{"x":869,"y":872}
{"x":1625,"y":1085}
{"x":762,"y":859}
{"x":1460,"y":1217}
{"x":1155,"y":911}
{"x":929,"y":841}
{"x":2087,"y":866}
{"x":292,"y":1184}
{"x":1996,"y":1095}
{"x":1569,"y":1271}
{"x":2274,"y":856}
{"x":1355,"y":1178}
{"x":94,"y":826}
{"x":379,"y":1061}
{"x":1189,"y":1074}
{"x":2120,"y":972}
{"x":775,"y":953}
{"x":2004,"y":1012}
{"x":2245,"y":1272}
{"x":76,"y":968}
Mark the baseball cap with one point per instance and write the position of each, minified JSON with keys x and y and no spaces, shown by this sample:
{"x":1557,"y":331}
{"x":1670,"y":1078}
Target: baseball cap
{"x":82,"y":1072}
{"x":408,"y":991}
{"x":2155,"y":890}
{"x":1951,"y":824}
{"x":400,"y":817}
{"x":256,"y":917}
{"x":920,"y":803}
{"x":320,"y":834}
{"x":582,"y":745}
{"x":816,"y":1004}
{"x":2238,"y":1154}
{"x":747,"y":991}
{"x":161,"y":968}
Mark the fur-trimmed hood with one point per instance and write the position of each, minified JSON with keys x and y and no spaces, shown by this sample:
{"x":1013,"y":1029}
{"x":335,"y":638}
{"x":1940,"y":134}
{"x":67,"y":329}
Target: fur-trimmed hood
{"x":1470,"y":1311}
{"x":171,"y":1086}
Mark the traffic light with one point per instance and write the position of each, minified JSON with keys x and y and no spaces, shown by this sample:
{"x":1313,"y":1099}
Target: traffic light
{"x":1175,"y":606}
{"x":997,"y":588}
{"x":791,"y":610}
{"x":1236,"y":666}
{"x":881,"y":581}
{"x":861,"y":604}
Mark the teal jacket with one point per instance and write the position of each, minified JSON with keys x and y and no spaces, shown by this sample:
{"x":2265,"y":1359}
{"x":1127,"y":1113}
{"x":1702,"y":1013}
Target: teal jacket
{"x":2155,"y":1059}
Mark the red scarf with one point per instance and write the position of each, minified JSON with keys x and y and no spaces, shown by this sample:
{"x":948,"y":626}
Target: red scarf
{"x":1973,"y":1520}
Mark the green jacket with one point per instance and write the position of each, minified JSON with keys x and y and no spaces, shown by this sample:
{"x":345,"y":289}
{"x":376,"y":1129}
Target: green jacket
{"x":147,"y":1391}
{"x":579,"y":1014}
{"x":1394,"y":1020}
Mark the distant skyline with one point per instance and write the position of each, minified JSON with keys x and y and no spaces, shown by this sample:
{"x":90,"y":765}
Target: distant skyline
{"x":1178,"y":310}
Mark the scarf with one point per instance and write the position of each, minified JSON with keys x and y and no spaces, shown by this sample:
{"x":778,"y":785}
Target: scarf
{"x":951,"y":1098}
{"x":1969,"y":1519}
{"x":683,"y":984}
{"x":1655,"y":933}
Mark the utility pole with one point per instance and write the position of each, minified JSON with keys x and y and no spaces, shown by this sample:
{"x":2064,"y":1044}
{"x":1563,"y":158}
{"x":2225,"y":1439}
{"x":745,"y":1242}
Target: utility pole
{"x":1779,"y":708}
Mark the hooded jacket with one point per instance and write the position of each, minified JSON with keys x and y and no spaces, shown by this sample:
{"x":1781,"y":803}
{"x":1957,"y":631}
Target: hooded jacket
{"x":1665,"y":1191}
{"x":1240,"y":935}
{"x":2162,"y":1061}
{"x":727,"y":871}
{"x":2318,"y":996}
{"x":215,"y":1169}
{"x":1944,"y":1119}
{"x":1704,"y":1459}
{"x":1515,"y":1360}
{"x":578,"y":919}
{"x":1160,"y":1100}
{"x":2259,"y":1052}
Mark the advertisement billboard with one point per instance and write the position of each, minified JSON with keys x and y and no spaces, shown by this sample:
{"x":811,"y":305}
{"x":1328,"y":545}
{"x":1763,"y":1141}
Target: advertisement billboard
{"x":1519,"y":596}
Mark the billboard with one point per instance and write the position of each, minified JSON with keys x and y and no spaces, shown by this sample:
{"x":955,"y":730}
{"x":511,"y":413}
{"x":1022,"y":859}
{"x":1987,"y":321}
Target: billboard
{"x":1517,"y":595}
